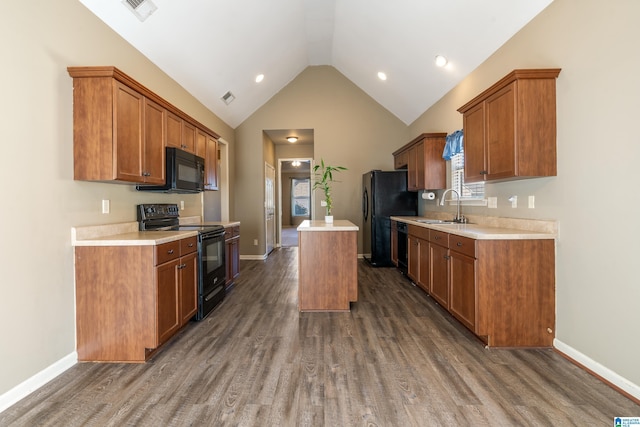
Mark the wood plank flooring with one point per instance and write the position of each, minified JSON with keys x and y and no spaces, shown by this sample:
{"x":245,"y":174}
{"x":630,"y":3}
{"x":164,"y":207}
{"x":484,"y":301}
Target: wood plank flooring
{"x":397,"y":359}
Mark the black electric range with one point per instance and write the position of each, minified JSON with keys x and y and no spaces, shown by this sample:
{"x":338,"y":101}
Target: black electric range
{"x":211,"y":250}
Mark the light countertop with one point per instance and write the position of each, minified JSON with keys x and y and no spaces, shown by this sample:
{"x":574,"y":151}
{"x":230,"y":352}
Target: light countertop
{"x":319,"y":225}
{"x":127,"y":234}
{"x":479,"y":231}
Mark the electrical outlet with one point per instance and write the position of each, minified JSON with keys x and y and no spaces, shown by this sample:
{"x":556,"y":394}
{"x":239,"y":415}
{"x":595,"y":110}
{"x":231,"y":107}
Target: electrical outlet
{"x":492,"y":202}
{"x":532,"y":202}
{"x":106,"y":206}
{"x":181,"y":205}
{"x":514,"y":201}
{"x":255,"y":242}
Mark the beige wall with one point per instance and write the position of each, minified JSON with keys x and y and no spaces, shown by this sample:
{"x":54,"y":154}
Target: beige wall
{"x":41,"y":200}
{"x":594,"y":197}
{"x":350,"y":129}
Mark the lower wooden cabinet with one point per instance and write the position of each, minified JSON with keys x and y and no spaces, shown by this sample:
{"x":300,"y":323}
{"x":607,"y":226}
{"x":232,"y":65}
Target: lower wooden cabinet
{"x":132,"y":299}
{"x":502,"y":290}
{"x":394,"y":243}
{"x":232,"y":254}
{"x":439,"y":277}
{"x":462,"y":288}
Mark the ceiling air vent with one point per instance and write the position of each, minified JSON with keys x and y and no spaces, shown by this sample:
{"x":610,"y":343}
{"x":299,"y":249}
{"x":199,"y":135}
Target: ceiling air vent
{"x":141,"y":8}
{"x":228,"y":98}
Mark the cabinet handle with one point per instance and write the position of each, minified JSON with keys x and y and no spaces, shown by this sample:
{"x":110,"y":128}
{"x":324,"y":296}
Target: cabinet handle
{"x":181,"y":266}
{"x":190,"y":245}
{"x":459,"y":244}
{"x":437,"y":237}
{"x":446,"y":257}
{"x":170,"y":251}
{"x":483,"y":172}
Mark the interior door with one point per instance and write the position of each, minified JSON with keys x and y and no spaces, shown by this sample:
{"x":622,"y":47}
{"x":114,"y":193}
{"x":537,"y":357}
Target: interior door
{"x":269,"y":206}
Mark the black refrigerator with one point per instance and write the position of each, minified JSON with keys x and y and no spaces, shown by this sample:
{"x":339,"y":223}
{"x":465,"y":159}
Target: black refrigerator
{"x":384,"y":193}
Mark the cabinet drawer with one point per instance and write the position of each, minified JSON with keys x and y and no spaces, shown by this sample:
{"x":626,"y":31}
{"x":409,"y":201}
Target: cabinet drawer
{"x":188,"y":245}
{"x":419,"y":232}
{"x":167,"y":251}
{"x":439,"y":237}
{"x":464,"y":245}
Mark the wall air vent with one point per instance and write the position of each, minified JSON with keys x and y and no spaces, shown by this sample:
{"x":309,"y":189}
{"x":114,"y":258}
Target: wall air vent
{"x":228,"y":98}
{"x":141,"y":8}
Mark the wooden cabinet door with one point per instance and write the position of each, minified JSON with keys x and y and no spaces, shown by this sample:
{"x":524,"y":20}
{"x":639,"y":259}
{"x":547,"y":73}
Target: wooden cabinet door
{"x":127,"y":133}
{"x":228,"y":249}
{"x":167,"y":297}
{"x":500,"y":134}
{"x":435,"y":171}
{"x":413,"y":255}
{"x":174,"y":130}
{"x":211,"y":164}
{"x":423,"y":265}
{"x":201,"y":144}
{"x":462,"y":303}
{"x":474,"y":155}
{"x":188,"y":287}
{"x":153,"y":155}
{"x":235,"y":257}
{"x":439,"y":274}
{"x":412,"y":164}
{"x":188,"y":137}
{"x":420,"y":166}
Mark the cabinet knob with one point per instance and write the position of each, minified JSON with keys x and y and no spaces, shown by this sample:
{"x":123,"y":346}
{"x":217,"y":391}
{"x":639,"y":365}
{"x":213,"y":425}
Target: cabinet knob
{"x":459,"y":244}
{"x":190,"y":245}
{"x":170,"y":251}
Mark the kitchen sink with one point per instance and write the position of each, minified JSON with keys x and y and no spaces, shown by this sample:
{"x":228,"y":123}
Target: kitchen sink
{"x":436,"y":221}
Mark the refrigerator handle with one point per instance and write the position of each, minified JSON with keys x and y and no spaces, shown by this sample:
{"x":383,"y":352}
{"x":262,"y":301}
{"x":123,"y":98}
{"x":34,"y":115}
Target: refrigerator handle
{"x":365,"y":204}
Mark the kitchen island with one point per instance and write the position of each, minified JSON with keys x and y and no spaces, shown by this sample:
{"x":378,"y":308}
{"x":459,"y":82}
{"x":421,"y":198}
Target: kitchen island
{"x":327,"y":265}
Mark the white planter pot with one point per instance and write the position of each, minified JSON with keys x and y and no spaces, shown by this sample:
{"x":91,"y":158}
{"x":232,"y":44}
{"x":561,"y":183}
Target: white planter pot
{"x":328,"y":219}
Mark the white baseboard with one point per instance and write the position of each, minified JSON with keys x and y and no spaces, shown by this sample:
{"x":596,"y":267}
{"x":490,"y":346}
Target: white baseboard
{"x":606,"y":373}
{"x":254,"y":257}
{"x":38,"y":380}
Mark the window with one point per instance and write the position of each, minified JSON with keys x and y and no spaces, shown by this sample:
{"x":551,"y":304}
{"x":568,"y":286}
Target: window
{"x":300,"y":196}
{"x":469,"y":192}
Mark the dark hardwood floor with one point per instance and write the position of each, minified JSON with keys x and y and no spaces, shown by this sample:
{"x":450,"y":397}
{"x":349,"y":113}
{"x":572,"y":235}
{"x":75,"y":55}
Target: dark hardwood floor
{"x":396,"y":359}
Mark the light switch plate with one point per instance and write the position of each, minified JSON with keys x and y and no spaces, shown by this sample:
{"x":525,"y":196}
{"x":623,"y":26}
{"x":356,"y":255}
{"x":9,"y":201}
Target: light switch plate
{"x":492,"y":202}
{"x":532,"y":202}
{"x":106,"y":206}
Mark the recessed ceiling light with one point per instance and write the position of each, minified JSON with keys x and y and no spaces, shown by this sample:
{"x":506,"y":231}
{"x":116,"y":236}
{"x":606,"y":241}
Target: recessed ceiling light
{"x":382,"y":76}
{"x":292,"y":139}
{"x":441,"y":61}
{"x":259,"y":78}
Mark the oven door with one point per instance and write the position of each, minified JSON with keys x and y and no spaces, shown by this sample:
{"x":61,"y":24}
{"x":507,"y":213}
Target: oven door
{"x":212,"y":272}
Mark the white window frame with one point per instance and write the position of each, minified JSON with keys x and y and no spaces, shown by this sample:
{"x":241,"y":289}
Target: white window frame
{"x":470,"y":194}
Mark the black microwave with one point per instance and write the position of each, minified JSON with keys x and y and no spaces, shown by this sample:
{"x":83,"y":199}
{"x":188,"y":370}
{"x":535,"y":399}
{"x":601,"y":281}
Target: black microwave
{"x":184,"y":173}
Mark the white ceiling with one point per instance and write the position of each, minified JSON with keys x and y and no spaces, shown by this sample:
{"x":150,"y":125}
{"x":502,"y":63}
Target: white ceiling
{"x":214,"y":46}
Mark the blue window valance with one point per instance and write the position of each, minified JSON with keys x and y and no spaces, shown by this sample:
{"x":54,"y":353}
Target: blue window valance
{"x":453,"y":145}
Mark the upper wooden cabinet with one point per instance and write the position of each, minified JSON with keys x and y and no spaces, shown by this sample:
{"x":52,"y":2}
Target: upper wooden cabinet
{"x":510,"y":128}
{"x":121,"y":128}
{"x":211,"y":164}
{"x":422,"y":157}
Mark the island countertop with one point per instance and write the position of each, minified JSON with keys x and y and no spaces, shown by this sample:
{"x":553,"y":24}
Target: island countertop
{"x":319,"y":225}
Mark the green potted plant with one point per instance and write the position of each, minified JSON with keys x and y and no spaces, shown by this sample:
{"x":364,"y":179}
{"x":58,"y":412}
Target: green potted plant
{"x":323,"y":179}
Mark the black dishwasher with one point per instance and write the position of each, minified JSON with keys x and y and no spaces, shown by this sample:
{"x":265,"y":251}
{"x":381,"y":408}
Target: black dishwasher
{"x":402,"y":248}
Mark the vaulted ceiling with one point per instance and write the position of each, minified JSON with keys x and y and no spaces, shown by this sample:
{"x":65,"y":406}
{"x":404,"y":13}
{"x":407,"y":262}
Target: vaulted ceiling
{"x":212,"y":47}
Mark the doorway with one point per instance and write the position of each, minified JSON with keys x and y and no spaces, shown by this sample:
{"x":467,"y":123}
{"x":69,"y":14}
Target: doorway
{"x":270,"y":206}
{"x":294,"y":197}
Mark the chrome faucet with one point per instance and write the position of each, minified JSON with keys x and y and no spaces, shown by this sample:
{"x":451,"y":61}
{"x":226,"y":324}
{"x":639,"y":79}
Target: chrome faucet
{"x":458,"y":218}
